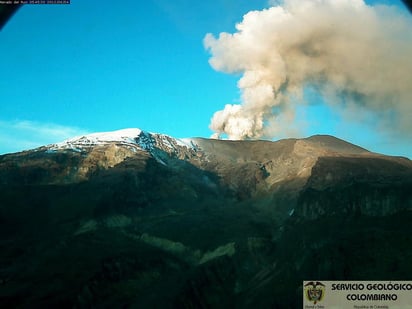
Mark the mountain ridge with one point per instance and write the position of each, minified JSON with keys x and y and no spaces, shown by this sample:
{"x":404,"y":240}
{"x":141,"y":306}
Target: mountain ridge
{"x":135,"y":137}
{"x":138,"y":219}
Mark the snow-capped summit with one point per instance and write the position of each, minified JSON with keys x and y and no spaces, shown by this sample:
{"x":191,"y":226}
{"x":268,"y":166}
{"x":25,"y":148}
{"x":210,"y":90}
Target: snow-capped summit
{"x":127,"y":136}
{"x":132,"y":138}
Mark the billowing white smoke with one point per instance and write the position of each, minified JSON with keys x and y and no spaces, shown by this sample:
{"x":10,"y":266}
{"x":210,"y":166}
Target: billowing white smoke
{"x":354,"y":54}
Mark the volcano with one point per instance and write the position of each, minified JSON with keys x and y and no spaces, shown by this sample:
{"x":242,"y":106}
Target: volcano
{"x":143,"y":220}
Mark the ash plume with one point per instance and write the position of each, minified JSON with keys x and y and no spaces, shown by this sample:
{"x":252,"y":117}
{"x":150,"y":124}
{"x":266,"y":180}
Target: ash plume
{"x":357,"y":56}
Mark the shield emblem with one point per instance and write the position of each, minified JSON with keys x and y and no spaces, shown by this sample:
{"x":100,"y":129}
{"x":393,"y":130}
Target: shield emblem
{"x":314,"y":291}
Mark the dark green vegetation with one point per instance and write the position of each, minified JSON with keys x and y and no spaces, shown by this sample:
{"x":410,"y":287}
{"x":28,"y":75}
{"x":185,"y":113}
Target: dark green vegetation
{"x":226,"y":225}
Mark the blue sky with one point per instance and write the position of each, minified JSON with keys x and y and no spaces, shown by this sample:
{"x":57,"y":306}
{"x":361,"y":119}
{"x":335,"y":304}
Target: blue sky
{"x":101,"y":65}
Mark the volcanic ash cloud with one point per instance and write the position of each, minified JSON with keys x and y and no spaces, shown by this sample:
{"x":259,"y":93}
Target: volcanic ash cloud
{"x":356,"y":55}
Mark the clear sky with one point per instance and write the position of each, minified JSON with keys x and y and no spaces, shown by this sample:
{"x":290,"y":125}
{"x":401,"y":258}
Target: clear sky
{"x":97,"y":66}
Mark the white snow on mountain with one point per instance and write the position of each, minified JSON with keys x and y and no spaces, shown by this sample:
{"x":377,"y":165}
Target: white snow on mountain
{"x":133,"y":137}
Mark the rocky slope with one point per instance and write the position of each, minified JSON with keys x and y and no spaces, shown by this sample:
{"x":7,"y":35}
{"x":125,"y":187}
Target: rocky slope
{"x":136,"y":219}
